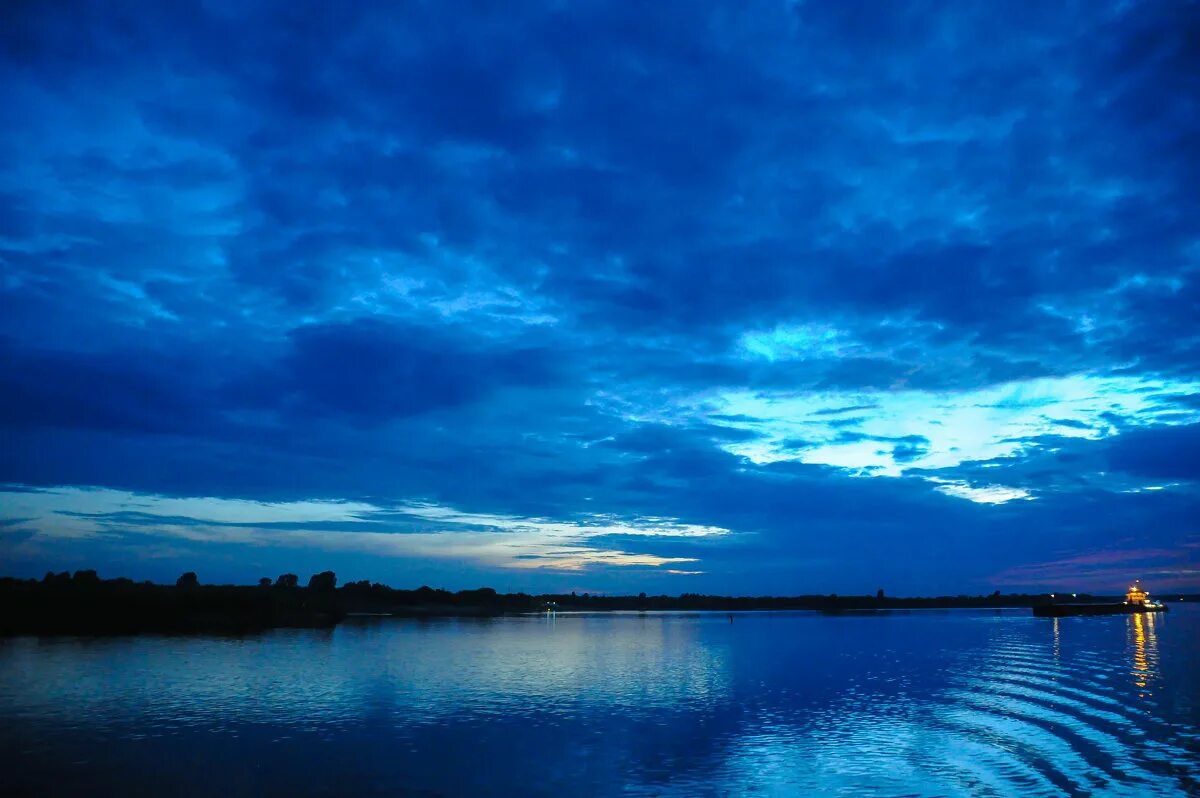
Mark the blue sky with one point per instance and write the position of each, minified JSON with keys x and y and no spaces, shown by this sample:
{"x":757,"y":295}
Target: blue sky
{"x":743,"y":298}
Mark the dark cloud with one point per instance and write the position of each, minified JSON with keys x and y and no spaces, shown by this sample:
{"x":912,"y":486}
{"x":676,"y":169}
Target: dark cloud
{"x":371,"y":369}
{"x":1158,"y":453}
{"x":140,"y":392}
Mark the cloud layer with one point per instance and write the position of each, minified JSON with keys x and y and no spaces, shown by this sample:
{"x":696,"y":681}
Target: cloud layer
{"x":787,"y":296}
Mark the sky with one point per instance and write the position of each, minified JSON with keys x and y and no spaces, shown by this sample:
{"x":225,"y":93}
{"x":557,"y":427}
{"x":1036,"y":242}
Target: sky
{"x":754,"y":297}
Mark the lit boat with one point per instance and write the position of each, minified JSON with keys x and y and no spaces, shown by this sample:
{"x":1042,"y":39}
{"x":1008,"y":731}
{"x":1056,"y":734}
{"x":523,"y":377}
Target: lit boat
{"x":1136,"y":600}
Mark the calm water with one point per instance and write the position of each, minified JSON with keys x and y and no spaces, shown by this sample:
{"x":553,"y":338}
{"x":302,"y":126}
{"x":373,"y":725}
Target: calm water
{"x":952,"y":703}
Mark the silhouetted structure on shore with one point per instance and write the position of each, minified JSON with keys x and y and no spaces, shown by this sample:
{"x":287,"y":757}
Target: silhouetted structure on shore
{"x":82,"y":603}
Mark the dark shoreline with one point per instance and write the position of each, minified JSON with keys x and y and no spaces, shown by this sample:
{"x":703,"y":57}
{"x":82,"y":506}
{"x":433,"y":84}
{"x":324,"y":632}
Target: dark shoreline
{"x":84,"y":604}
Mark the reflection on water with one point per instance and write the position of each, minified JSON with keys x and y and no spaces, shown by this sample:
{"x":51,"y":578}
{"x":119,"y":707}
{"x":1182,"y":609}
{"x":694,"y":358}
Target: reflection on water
{"x":1145,"y":650}
{"x":952,"y":703}
{"x":1057,"y":641}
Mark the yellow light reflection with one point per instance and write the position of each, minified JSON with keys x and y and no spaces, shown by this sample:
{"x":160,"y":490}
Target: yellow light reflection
{"x":1145,"y":651}
{"x":1140,"y":667}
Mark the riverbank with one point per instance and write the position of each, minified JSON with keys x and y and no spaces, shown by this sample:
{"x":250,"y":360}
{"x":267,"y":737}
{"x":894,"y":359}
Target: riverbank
{"x":121,"y":607}
{"x":84,"y":604}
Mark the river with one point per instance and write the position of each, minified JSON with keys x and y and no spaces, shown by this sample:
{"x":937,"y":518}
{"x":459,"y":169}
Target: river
{"x":945,"y":703}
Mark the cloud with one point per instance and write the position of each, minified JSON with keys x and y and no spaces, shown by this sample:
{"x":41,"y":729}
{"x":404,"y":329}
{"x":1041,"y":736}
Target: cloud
{"x":1166,"y":569}
{"x":986,"y":494}
{"x":589,"y":265}
{"x":407,"y":530}
{"x":946,"y":429}
{"x":1158,"y":453}
{"x":373,"y":369}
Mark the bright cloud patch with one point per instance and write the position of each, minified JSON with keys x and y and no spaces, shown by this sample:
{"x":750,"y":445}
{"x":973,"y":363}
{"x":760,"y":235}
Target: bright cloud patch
{"x":408,"y":530}
{"x":902,"y":430}
{"x":597,"y":525}
{"x":800,"y":343}
{"x":987,"y":494}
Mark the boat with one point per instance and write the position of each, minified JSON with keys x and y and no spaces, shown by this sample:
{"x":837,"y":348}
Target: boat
{"x":1136,"y":600}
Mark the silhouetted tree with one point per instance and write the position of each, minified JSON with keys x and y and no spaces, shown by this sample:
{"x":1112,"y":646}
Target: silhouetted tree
{"x":189,"y":579}
{"x":322,"y":582}
{"x":287,"y":580}
{"x":879,"y":594}
{"x":87,"y":577}
{"x":264,"y":582}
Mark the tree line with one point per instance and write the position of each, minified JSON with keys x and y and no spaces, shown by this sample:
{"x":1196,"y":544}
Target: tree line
{"x":82,"y":602}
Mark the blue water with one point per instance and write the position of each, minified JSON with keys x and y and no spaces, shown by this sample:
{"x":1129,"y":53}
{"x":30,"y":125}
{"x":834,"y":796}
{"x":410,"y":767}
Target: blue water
{"x":970,"y":703}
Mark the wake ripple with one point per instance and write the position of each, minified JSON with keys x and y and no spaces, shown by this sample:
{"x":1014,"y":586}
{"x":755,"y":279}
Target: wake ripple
{"x":1021,"y":720}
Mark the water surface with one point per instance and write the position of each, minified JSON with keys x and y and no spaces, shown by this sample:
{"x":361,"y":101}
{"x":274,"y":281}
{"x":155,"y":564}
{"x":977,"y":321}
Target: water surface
{"x":930,"y":703}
